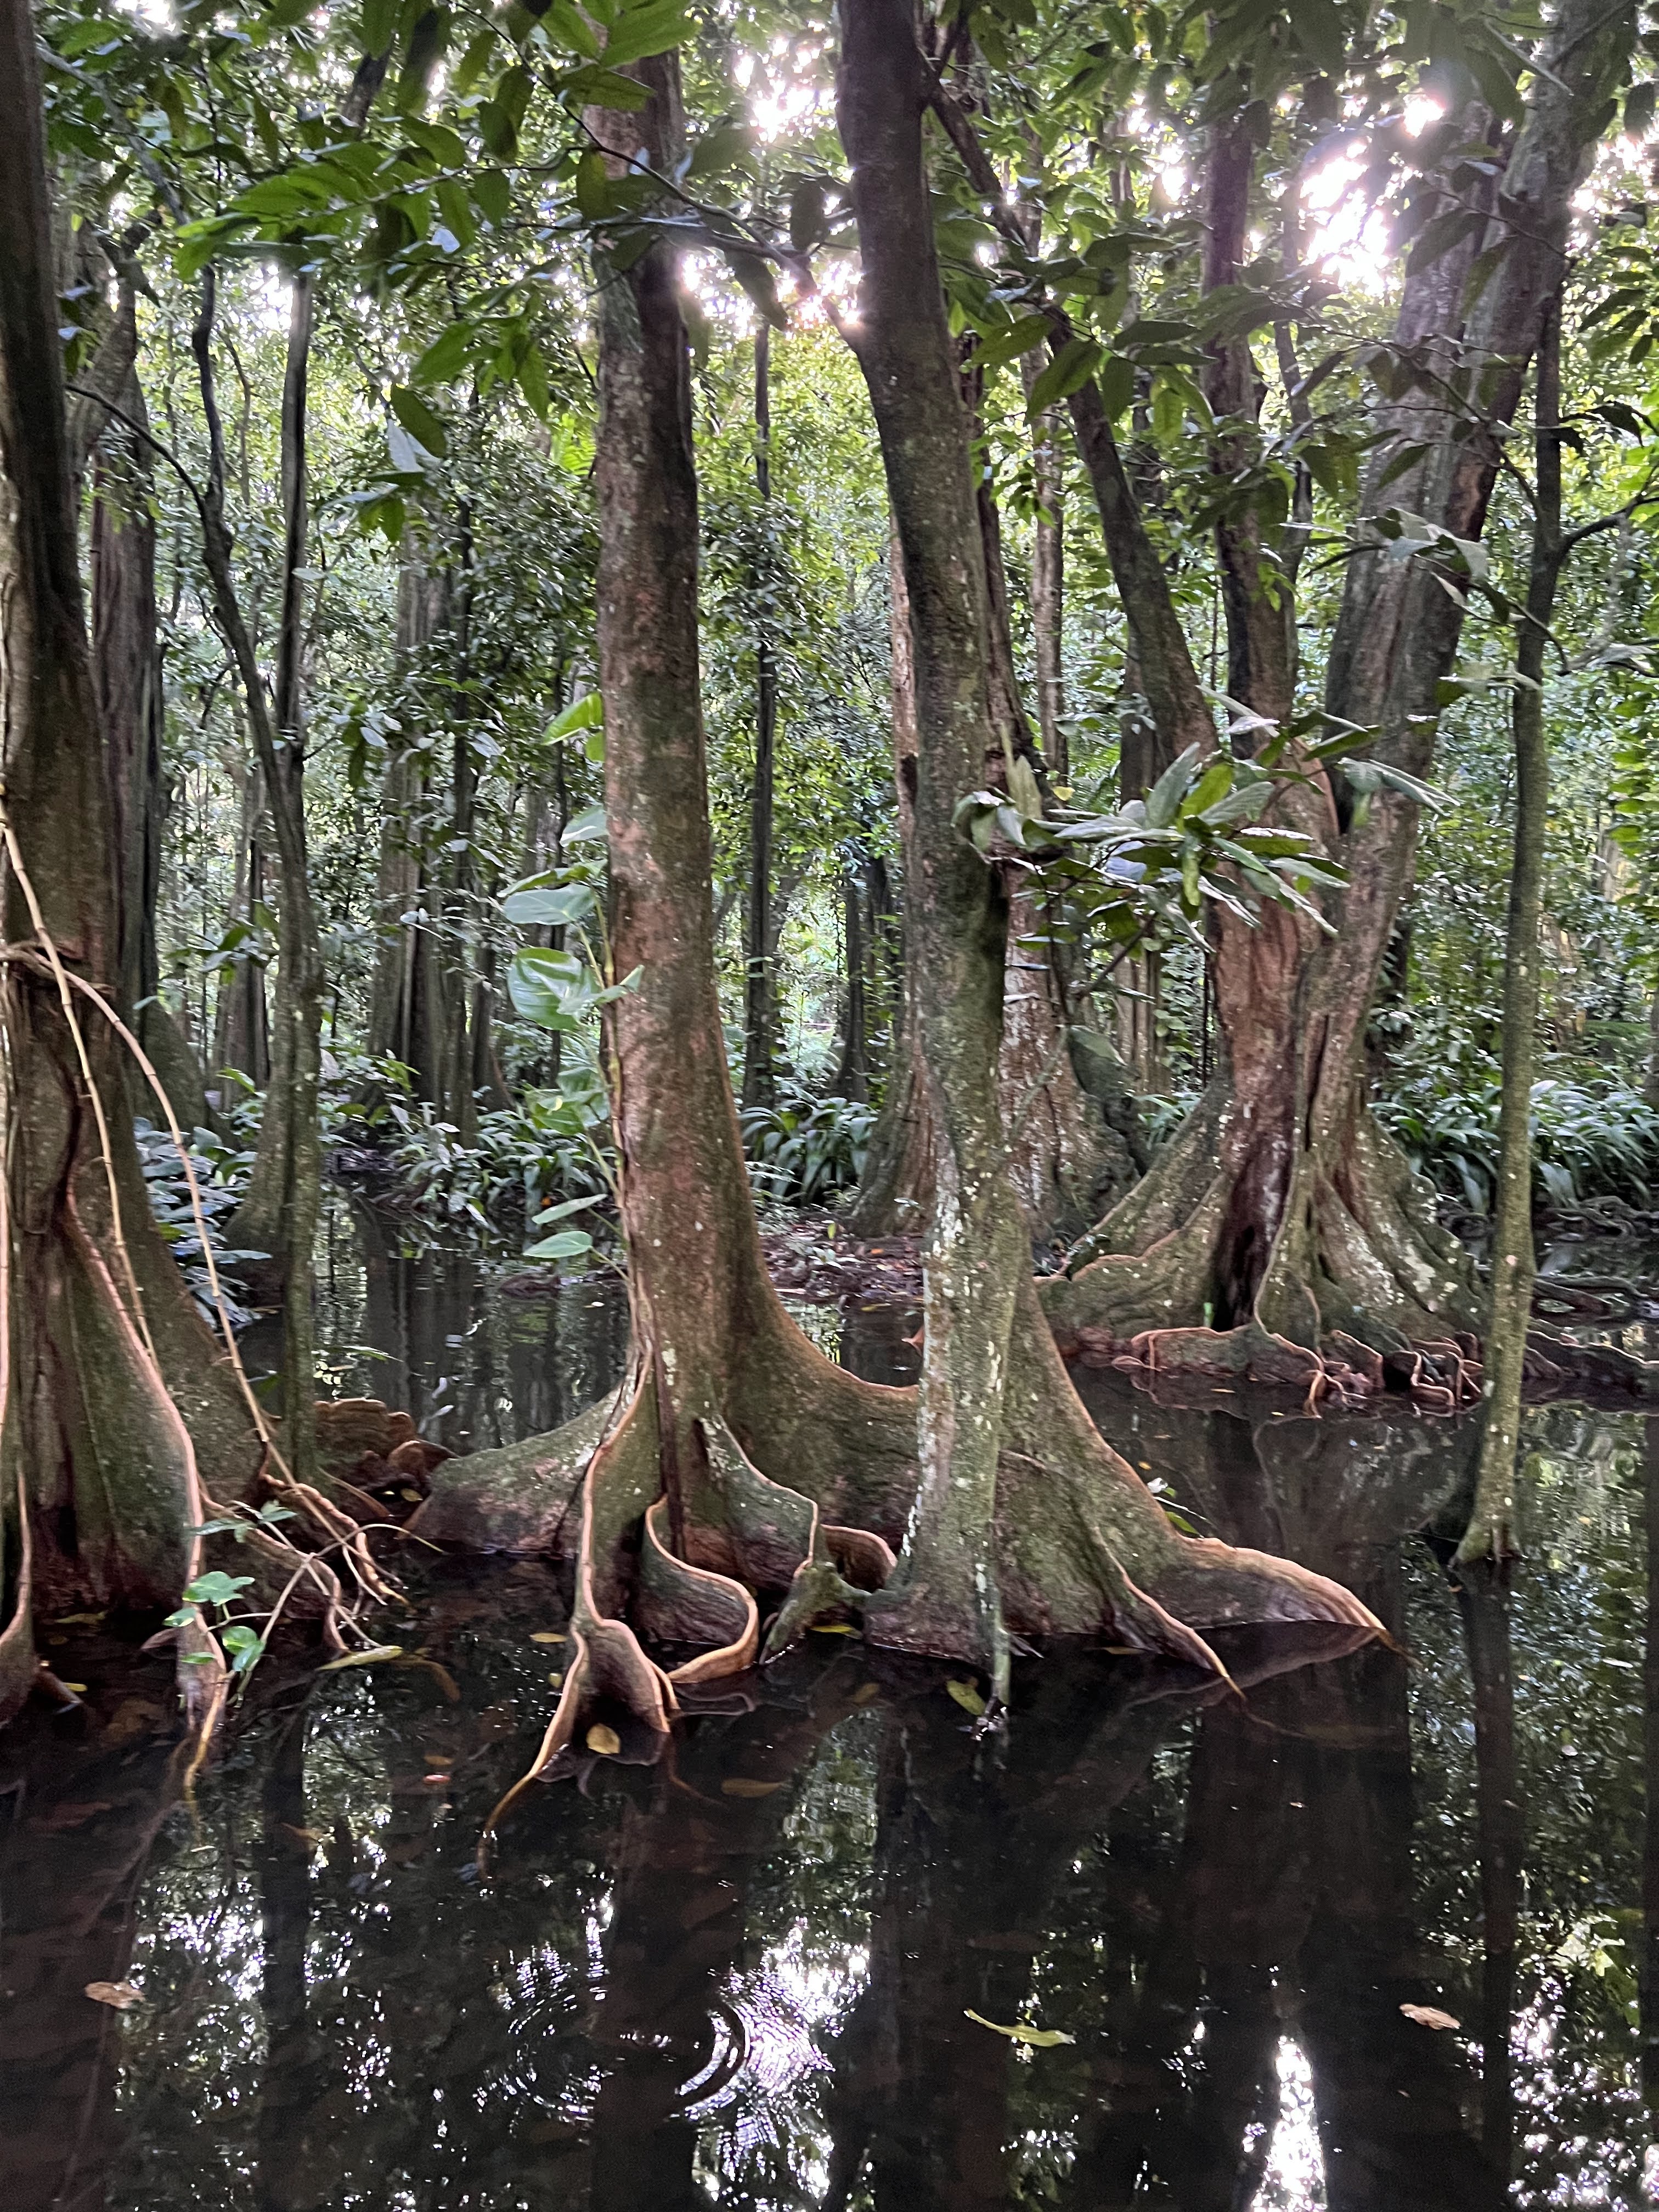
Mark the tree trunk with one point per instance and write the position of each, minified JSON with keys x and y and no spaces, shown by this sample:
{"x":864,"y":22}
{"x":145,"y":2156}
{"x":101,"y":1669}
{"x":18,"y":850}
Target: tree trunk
{"x":242,"y":1023}
{"x":1282,"y":1217}
{"x":1491,"y":1533}
{"x":760,"y":1017}
{"x":127,"y":665}
{"x":661,"y":1491}
{"x":279,"y":1208}
{"x":1049,"y":579}
{"x":852,"y":1076}
{"x":113,"y":1389}
{"x":406,"y":1011}
{"x":895,"y":1191}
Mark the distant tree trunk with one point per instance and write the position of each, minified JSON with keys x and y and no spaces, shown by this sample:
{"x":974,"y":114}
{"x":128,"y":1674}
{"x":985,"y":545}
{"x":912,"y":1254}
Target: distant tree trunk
{"x":279,"y":1208}
{"x":895,"y":1190}
{"x":1491,"y":1533}
{"x":126,"y":663}
{"x":761,"y":993}
{"x":407,"y":1018}
{"x":852,"y":1076}
{"x":1282,"y":1215}
{"x":114,"y":1393}
{"x":241,"y":1024}
{"x":1049,"y":579}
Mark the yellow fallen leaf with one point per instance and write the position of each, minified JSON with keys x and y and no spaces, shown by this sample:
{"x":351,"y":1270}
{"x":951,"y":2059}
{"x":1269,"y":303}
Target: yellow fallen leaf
{"x":833,"y":1628}
{"x":604,"y":1740}
{"x":76,"y":1689}
{"x":1040,"y":2038}
{"x":361,"y":1658}
{"x":866,"y":1694}
{"x":740,"y":1785}
{"x":548,"y":1636}
{"x":967,"y":1697}
{"x":1429,"y":2016}
{"x":77,"y":1620}
{"x":122,"y":1996}
{"x":556,"y":1679}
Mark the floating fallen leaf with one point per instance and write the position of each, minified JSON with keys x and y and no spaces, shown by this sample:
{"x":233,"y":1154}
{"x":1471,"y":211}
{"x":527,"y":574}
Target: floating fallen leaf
{"x":410,"y":1497}
{"x":376,"y":1651}
{"x":740,"y":1785}
{"x":435,"y":1781}
{"x":122,"y":1996}
{"x":1040,"y":2038}
{"x":556,"y":1679}
{"x":604,"y":1740}
{"x":441,"y":1675}
{"x":76,"y":1689}
{"x":1429,"y":2016}
{"x":548,"y":1636}
{"x":866,"y":1694}
{"x":77,"y":1620}
{"x":970,"y":1701}
{"x":833,"y":1628}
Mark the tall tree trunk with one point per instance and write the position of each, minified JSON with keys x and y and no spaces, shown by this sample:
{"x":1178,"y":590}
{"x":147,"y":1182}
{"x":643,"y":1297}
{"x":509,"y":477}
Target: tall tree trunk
{"x":678,"y":1519}
{"x":895,"y":1191}
{"x":1281,"y":1214}
{"x":1491,"y":1533}
{"x":1049,"y":579}
{"x":852,"y":1076}
{"x":241,"y":1022}
{"x":407,"y":1008}
{"x":127,"y":665}
{"x":99,"y":1482}
{"x":760,"y":1019}
{"x":279,"y":1208}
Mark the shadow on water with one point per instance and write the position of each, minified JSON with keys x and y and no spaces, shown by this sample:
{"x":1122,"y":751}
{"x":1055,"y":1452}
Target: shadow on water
{"x":745,"y":1978}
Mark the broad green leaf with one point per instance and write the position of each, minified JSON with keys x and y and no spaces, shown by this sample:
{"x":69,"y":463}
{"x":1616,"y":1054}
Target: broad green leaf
{"x":215,"y":1588}
{"x":418,"y":419}
{"x":584,"y":714}
{"x":1070,"y":369}
{"x":549,"y":909}
{"x":567,"y":1244}
{"x":967,"y":1696}
{"x":445,"y":357}
{"x":1009,"y":345}
{"x":655,"y":27}
{"x":587,"y":826}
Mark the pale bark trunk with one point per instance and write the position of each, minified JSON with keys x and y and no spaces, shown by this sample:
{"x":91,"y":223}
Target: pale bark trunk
{"x":760,"y":1043}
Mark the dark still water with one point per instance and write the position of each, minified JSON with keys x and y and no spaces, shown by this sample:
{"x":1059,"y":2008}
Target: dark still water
{"x":746,"y":1976}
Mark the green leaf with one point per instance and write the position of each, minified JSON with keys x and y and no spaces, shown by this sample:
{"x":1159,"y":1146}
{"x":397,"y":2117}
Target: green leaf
{"x":588,"y":826}
{"x":1040,"y":2038}
{"x":1318,"y":27}
{"x":1068,"y":372}
{"x":586,"y":713}
{"x":418,"y":419}
{"x":719,"y":150}
{"x":548,"y":987}
{"x":967,"y":1696}
{"x":551,"y":909}
{"x":246,"y":1648}
{"x":597,"y":87}
{"x":379,"y":21}
{"x":1019,"y":337}
{"x":593,"y":187}
{"x":653,"y":29}
{"x":1163,"y":800}
{"x":493,"y":194}
{"x":567,"y":1207}
{"x":568,"y":1245}
{"x":215,"y":1588}
{"x":445,"y":357}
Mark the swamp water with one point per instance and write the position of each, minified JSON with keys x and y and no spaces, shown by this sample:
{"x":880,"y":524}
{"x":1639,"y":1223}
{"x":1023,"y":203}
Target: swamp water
{"x":747,"y":1977}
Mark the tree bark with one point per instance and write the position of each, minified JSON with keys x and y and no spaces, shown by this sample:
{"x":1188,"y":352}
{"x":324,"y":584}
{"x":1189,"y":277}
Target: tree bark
{"x":1491,"y":1533}
{"x":760,"y":1021}
{"x":1049,"y":579}
{"x":278,"y":1211}
{"x":113,"y":1389}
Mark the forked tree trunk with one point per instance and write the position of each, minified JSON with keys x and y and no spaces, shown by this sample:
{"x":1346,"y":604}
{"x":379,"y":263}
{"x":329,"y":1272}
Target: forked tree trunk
{"x":99,"y":1478}
{"x":1282,"y":1218}
{"x":1010,"y":1509}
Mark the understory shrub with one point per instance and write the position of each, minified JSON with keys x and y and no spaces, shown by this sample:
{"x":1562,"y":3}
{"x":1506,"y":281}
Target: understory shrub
{"x":804,"y":1149}
{"x":1591,"y":1139}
